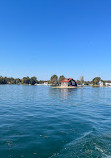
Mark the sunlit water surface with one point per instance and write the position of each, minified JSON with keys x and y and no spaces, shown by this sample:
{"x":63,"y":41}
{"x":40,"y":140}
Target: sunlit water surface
{"x":41,"y":122}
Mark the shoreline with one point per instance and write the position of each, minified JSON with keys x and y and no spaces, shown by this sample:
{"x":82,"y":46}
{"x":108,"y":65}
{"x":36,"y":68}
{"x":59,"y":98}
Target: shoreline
{"x":66,"y":87}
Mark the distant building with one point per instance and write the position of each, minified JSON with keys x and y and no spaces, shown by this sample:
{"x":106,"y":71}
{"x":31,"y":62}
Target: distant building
{"x":41,"y":82}
{"x":107,"y":84}
{"x":45,"y":83}
{"x":100,"y":83}
{"x":68,"y":82}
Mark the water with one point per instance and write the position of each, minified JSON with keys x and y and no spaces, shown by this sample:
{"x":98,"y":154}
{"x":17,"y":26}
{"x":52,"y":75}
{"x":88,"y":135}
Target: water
{"x":41,"y":122}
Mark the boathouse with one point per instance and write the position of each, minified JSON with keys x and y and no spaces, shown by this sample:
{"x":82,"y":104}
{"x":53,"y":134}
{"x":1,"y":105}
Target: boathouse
{"x":68,"y":82}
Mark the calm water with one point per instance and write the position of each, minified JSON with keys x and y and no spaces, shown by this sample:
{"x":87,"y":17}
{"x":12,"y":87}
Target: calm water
{"x":41,"y":122}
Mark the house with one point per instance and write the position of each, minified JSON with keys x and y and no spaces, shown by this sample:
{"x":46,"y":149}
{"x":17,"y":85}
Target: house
{"x":68,"y":82}
{"x":100,"y":83}
{"x":107,"y":84}
{"x":45,"y":83}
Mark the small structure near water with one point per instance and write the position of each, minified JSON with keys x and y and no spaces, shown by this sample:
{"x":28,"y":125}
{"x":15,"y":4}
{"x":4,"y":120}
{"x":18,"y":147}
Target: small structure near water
{"x":100,"y":83}
{"x":68,"y":82}
{"x":108,"y":84}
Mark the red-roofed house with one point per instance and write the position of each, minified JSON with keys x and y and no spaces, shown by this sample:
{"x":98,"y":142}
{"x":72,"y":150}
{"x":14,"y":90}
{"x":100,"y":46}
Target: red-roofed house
{"x":68,"y":82}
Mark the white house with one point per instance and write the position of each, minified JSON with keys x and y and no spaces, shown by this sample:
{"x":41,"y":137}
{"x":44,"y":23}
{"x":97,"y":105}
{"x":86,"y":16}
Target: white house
{"x":100,"y":83}
{"x":107,"y":84}
{"x":45,"y":83}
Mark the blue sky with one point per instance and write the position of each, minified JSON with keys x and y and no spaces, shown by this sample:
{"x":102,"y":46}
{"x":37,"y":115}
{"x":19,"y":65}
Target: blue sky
{"x":64,"y":37}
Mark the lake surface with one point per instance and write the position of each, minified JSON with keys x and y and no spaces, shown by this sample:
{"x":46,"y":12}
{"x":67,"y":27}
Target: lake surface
{"x":41,"y":122}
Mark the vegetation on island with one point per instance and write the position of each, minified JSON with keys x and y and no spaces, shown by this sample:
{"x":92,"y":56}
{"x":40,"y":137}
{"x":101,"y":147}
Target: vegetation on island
{"x":54,"y":80}
{"x":61,"y":78}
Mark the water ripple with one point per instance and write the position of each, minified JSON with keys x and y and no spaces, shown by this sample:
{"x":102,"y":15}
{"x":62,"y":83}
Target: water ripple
{"x":38,"y":121}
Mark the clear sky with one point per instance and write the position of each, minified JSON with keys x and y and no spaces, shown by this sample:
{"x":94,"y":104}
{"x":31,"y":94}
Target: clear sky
{"x":64,"y":37}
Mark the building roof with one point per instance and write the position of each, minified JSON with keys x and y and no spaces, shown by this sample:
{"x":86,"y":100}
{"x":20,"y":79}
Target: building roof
{"x":66,"y":80}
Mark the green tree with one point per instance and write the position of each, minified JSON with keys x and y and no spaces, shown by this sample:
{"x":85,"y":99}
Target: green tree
{"x":96,"y":80}
{"x":3,"y":80}
{"x":61,"y":78}
{"x":33,"y":80}
{"x":11,"y":80}
{"x":87,"y":82}
{"x":54,"y":80}
{"x":18,"y":80}
{"x":26,"y":80}
{"x":40,"y":82}
{"x":78,"y":82}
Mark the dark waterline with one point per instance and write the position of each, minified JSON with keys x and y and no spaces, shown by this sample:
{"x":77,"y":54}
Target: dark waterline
{"x":41,"y":122}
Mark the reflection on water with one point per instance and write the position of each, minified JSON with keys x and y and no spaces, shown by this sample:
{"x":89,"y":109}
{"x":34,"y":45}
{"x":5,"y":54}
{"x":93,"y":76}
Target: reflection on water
{"x":42,"y":122}
{"x":64,"y":93}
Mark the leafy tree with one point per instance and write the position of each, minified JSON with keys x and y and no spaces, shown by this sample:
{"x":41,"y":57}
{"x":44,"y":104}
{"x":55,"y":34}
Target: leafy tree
{"x":3,"y":80}
{"x":78,"y":82}
{"x":11,"y":80}
{"x":61,"y":78}
{"x":33,"y":80}
{"x":87,"y":82}
{"x":54,"y":80}
{"x":26,"y":80}
{"x":18,"y":80}
{"x":40,"y":82}
{"x":96,"y":80}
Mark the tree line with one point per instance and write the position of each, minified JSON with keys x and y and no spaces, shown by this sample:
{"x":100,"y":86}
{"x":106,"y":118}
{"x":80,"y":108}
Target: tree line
{"x":54,"y":80}
{"x":25,"y":80}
